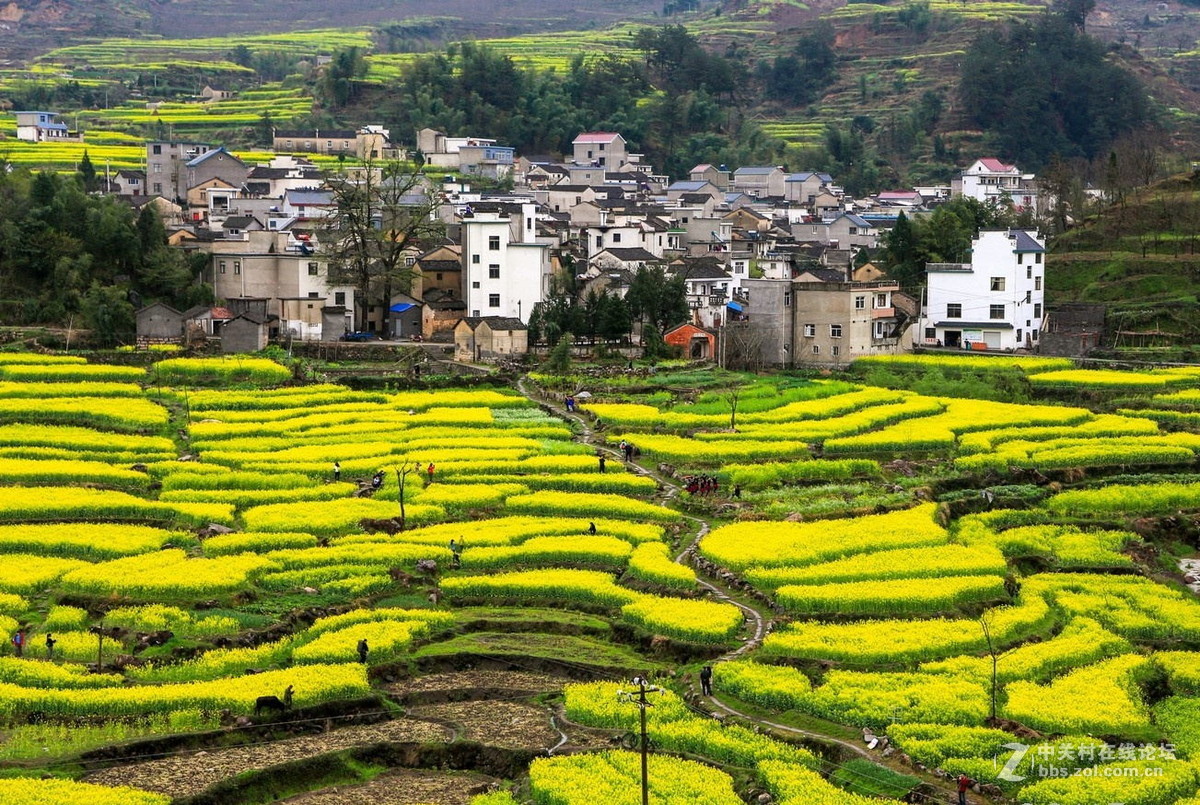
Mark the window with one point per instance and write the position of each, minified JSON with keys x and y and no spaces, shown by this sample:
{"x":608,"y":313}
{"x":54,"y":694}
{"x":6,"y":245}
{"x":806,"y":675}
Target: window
{"x":853,"y":230}
{"x":1029,"y":273}
{"x":157,"y":168}
{"x":835,"y":350}
{"x":439,"y":277}
{"x":475,"y":284}
{"x":1020,"y":259}
{"x":787,"y":299}
{"x":1034,"y":334}
{"x":1028,"y":297}
{"x":1037,"y":258}
{"x":881,"y":300}
{"x":810,"y":331}
{"x":474,"y":259}
{"x":313,"y":295}
{"x":1037,"y":310}
{"x":816,"y":349}
{"x":616,"y":237}
{"x":312,"y":269}
{"x":599,"y":241}
{"x":954,"y":310}
{"x":995,"y":311}
{"x":835,"y":331}
{"x":237,"y":266}
{"x":997,"y":283}
{"x":221,"y":266}
{"x":157,"y":149}
{"x":493,"y":272}
{"x":410,"y":261}
{"x":475,"y":313}
{"x":1037,"y":283}
{"x":493,"y":243}
{"x":339,"y":298}
{"x":1018,"y":336}
{"x":493,"y":300}
{"x":158,"y":188}
{"x":930,"y":334}
{"x":860,"y":302}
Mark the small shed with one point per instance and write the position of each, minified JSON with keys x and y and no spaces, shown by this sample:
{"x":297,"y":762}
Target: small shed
{"x":335,"y":322}
{"x":695,"y":342}
{"x":487,"y":338}
{"x":406,"y":316}
{"x":159,"y":324}
{"x":245,"y":332}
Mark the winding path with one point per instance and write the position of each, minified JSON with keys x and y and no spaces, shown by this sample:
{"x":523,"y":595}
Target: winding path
{"x":761,"y":624}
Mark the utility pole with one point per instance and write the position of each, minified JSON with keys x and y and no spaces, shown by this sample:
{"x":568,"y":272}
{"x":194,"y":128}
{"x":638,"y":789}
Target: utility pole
{"x":638,"y":697}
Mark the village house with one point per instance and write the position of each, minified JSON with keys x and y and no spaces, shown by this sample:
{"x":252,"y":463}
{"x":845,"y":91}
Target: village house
{"x":694,"y":343}
{"x":718,"y":177}
{"x":44,"y":127}
{"x":505,"y":271}
{"x":488,"y":338}
{"x":603,"y":149}
{"x":796,"y":323}
{"x":210,"y":94}
{"x":994,"y":302}
{"x":991,"y":181}
{"x":275,"y":267}
{"x":760,"y":181}
{"x":804,"y":187}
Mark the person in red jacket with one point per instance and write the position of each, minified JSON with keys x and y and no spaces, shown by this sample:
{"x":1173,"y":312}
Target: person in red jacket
{"x":964,"y":785}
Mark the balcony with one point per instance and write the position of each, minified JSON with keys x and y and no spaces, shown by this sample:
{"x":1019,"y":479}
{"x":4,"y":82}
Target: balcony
{"x":883,"y":313}
{"x":964,"y":268}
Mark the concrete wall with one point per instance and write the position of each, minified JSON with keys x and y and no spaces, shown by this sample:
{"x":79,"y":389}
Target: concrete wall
{"x":243,"y":335}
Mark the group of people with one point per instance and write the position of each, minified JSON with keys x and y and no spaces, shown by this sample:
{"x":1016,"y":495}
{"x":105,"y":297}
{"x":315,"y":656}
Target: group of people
{"x":569,"y":402}
{"x":456,"y":547}
{"x":377,"y":478}
{"x":20,"y":638}
{"x":703,"y":485}
{"x":628,"y":450}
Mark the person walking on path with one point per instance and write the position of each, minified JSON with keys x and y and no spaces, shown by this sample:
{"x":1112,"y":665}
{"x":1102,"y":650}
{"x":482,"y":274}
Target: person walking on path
{"x":50,"y":641}
{"x":964,"y":785}
{"x":603,"y":461}
{"x":377,"y":480}
{"x":706,"y":680}
{"x":18,"y":641}
{"x":628,"y":448}
{"x":737,"y":491}
{"x":570,"y":404}
{"x":337,"y":471}
{"x":429,"y":472}
{"x":592,"y":529}
{"x":363,"y":651}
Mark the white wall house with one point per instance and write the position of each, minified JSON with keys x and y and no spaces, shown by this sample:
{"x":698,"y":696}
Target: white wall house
{"x":504,"y":273}
{"x":994,"y":302}
{"x":991,"y":181}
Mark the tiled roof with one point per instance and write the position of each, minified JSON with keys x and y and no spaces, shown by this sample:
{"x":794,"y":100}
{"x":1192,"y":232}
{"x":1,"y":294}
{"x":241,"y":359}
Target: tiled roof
{"x":597,"y":137}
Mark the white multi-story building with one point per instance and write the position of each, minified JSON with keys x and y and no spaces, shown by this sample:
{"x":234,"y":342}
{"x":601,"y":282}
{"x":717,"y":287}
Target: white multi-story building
{"x":505,"y":272}
{"x":994,"y":302}
{"x":993,"y":182}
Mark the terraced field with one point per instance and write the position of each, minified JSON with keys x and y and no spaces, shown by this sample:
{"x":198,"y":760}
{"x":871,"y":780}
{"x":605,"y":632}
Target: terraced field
{"x":471,"y":592}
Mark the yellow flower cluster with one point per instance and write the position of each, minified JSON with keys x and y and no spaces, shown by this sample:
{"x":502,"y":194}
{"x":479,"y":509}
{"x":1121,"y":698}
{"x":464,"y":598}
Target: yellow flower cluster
{"x":743,"y":545}
{"x":31,"y":791}
{"x":1100,"y":699}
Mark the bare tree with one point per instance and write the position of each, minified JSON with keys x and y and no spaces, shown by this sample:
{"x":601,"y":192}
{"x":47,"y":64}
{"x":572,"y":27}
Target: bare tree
{"x":382,"y":213}
{"x":405,"y":469}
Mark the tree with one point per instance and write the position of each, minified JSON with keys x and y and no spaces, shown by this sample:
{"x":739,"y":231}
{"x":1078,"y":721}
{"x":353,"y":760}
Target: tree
{"x":87,"y":174}
{"x":559,"y":359}
{"x":382,"y":213}
{"x":109,"y":314}
{"x":658,"y":299}
{"x":265,"y":130}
